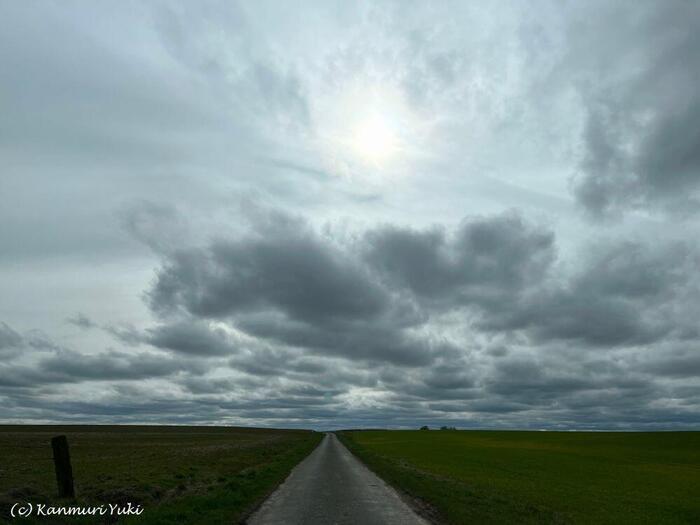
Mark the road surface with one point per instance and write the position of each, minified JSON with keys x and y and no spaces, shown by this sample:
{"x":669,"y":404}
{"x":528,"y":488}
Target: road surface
{"x":332,"y":487}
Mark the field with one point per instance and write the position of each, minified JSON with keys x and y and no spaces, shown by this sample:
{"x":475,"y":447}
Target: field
{"x":540,"y":477}
{"x":178,"y":474}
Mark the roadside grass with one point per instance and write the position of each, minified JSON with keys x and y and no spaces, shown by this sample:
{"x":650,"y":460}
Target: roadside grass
{"x":177,"y":474}
{"x":541,"y":477}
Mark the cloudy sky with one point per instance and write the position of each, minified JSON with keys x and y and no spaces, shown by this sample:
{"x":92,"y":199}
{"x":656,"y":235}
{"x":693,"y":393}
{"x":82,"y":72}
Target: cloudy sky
{"x":350,"y":214}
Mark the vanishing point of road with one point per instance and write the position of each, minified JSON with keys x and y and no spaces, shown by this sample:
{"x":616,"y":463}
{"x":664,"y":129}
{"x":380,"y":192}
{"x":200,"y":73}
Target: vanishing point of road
{"x":331,"y":486}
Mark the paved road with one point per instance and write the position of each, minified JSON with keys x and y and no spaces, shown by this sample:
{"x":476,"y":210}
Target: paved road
{"x":332,"y":487}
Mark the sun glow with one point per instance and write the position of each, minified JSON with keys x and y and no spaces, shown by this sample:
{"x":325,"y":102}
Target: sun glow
{"x":374,"y":139}
{"x":368,"y":131}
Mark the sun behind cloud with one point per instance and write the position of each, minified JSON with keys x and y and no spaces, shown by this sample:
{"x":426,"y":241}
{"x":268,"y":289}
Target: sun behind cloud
{"x":374,"y":139}
{"x":368,"y":131}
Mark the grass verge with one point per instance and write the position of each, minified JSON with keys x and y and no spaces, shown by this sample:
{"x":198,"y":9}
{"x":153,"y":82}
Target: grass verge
{"x":207,"y":475}
{"x":541,"y":477}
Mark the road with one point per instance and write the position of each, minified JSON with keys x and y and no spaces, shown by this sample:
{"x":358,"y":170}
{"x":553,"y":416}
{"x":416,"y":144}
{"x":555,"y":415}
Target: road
{"x":332,"y":487}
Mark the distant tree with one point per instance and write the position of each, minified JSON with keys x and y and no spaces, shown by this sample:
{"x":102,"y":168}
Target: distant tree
{"x":447,"y":428}
{"x":424,"y":427}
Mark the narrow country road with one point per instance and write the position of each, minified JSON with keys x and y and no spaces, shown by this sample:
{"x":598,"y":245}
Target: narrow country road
{"x":332,"y":487}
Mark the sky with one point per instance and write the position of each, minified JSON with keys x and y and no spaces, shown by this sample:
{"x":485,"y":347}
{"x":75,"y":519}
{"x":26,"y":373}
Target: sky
{"x":350,"y":214}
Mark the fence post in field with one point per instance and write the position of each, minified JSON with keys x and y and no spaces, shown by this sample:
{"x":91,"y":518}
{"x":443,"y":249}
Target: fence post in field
{"x":64,"y":472}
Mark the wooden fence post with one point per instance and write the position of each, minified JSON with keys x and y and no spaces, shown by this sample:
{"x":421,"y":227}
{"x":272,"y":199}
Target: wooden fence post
{"x":64,"y":472}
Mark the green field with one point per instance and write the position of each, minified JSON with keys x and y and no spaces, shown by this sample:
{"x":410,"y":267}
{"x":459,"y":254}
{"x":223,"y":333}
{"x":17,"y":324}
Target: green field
{"x":178,"y":474}
{"x":541,"y":477}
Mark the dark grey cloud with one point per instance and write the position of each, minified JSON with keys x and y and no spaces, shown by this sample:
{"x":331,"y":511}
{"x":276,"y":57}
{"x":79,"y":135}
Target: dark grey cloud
{"x":677,"y":366}
{"x":484,"y":259}
{"x":114,"y":365}
{"x":682,"y":361}
{"x":298,"y":289}
{"x":299,"y":276}
{"x":624,"y":293}
{"x":374,"y":340}
{"x":594,"y":319}
{"x":188,"y":337}
{"x":191,"y":338}
{"x":642,"y":132}
{"x":68,"y":366}
{"x":290,"y":286}
{"x":496,"y":276}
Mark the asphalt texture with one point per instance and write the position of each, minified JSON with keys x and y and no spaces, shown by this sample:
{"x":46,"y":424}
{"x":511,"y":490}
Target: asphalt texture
{"x":331,"y":486}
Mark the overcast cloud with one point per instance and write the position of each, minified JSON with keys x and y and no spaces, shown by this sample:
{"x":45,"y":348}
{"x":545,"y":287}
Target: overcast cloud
{"x":350,"y":214}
